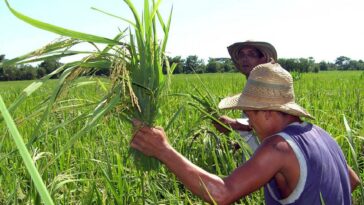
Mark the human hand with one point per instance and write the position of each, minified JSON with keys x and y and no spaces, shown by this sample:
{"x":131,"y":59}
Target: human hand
{"x":225,"y":120}
{"x":151,"y":141}
{"x":233,"y":123}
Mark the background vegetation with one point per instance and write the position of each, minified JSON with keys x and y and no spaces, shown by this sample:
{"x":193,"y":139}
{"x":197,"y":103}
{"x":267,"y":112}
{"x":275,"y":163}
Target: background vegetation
{"x":99,"y":169}
{"x":191,"y":64}
{"x":77,"y":128}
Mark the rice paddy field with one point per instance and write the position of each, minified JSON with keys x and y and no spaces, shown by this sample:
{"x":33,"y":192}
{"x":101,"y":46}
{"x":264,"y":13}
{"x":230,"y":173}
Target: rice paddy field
{"x":96,"y":167}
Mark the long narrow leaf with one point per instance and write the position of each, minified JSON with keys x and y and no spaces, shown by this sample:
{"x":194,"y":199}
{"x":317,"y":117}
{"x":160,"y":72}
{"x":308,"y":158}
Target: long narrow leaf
{"x":52,"y":99}
{"x":99,"y":112}
{"x":109,"y":14}
{"x":155,"y":8}
{"x":35,"y":86}
{"x":348,"y":129}
{"x":356,"y":168}
{"x":60,"y":46}
{"x":55,"y":55}
{"x":165,"y":28}
{"x":34,"y":174}
{"x":174,"y":117}
{"x":60,"y":30}
{"x":136,"y":16}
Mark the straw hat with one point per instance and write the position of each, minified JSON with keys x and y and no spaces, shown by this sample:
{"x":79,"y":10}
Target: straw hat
{"x":269,"y":87}
{"x":266,"y":48}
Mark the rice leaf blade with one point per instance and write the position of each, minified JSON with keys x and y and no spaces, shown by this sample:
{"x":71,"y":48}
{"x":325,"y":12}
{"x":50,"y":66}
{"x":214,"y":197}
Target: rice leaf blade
{"x":33,"y":172}
{"x":60,"y":30}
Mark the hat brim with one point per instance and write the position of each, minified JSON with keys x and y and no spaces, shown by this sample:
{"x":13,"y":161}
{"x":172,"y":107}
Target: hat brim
{"x":239,"y":102}
{"x":267,"y":49}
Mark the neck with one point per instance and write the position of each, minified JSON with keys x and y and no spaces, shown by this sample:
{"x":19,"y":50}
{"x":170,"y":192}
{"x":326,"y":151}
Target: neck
{"x":279,"y":123}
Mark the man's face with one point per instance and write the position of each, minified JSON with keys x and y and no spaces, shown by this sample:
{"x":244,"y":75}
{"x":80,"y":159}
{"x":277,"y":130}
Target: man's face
{"x":248,"y":58}
{"x":257,"y":121}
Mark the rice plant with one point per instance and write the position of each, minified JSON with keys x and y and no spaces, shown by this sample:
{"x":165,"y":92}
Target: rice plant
{"x":137,"y":80}
{"x":99,"y":170}
{"x":28,"y":161}
{"x":92,"y":116}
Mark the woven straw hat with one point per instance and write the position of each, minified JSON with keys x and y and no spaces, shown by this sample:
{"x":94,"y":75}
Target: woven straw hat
{"x":266,"y":48}
{"x":269,"y":87}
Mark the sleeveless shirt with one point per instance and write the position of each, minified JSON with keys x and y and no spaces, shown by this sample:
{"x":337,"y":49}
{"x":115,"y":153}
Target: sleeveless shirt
{"x":324,"y":173}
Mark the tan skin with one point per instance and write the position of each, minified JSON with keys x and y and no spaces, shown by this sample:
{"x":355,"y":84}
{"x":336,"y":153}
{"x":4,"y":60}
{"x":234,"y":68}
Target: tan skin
{"x":273,"y":159}
{"x":245,"y":64}
{"x":249,"y":57}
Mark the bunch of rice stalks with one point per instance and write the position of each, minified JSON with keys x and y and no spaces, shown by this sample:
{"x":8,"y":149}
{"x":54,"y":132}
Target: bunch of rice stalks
{"x":137,"y":80}
{"x":143,"y":74}
{"x":205,"y":102}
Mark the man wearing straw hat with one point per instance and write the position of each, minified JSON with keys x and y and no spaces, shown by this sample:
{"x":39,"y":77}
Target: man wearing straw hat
{"x":297,"y":162}
{"x":245,"y":56}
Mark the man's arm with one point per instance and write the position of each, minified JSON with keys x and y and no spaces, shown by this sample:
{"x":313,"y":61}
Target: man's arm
{"x":354,"y":179}
{"x":244,"y":180}
{"x":233,"y":123}
{"x":153,"y":142}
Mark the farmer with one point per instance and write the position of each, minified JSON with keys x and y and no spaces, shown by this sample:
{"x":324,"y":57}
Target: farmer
{"x":246,"y":55}
{"x":296,"y":162}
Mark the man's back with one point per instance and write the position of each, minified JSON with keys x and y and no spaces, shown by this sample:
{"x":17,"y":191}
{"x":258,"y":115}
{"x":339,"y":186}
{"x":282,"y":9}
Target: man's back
{"x":323,"y":169}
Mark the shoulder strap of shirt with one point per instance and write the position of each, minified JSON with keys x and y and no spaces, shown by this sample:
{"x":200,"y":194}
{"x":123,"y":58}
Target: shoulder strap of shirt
{"x":303,"y":172}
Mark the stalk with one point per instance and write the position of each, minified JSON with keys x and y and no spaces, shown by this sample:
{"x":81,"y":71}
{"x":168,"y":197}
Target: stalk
{"x":351,"y":144}
{"x":137,"y":66}
{"x":27,"y":159}
{"x":145,"y":68}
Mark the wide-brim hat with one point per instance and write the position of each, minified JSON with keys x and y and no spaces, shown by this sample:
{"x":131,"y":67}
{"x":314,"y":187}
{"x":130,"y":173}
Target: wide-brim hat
{"x":269,"y":87}
{"x":267,"y":49}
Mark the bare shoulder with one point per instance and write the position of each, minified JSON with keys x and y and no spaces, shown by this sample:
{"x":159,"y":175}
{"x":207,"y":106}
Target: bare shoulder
{"x":274,"y":152}
{"x":276,"y":145}
{"x":269,"y":159}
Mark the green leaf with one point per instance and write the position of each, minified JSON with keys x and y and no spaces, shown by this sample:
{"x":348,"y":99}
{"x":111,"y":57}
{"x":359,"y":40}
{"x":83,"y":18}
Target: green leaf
{"x":27,"y":159}
{"x":138,"y":24}
{"x":109,"y":14}
{"x":103,"y":108}
{"x":165,"y":29}
{"x":174,"y":117}
{"x":35,"y":86}
{"x":348,"y":130}
{"x":356,"y":166}
{"x":60,"y":30}
{"x":51,"y":50}
{"x":112,"y":187}
{"x":55,"y":55}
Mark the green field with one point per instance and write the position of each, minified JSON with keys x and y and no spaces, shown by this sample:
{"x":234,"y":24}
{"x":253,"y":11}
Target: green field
{"x":98,"y":168}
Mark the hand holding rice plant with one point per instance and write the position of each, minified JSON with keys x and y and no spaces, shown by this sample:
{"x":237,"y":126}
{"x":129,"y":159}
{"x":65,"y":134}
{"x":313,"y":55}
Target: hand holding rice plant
{"x":152,"y":141}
